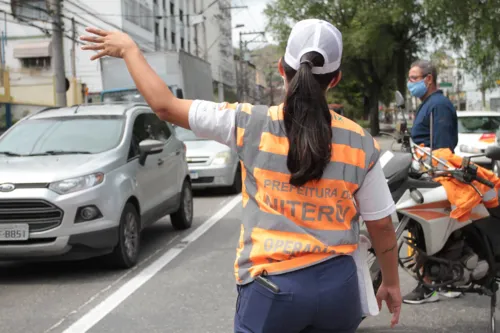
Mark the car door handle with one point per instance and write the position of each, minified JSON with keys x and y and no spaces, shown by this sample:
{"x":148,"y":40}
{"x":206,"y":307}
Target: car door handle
{"x":177,"y":152}
{"x":160,"y":161}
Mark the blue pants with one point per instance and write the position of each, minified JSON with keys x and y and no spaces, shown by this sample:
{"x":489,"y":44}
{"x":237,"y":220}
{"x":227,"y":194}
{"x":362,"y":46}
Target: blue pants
{"x":323,"y":298}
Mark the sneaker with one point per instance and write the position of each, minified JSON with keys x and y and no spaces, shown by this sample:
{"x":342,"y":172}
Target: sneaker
{"x":421,"y":295}
{"x":451,"y":294}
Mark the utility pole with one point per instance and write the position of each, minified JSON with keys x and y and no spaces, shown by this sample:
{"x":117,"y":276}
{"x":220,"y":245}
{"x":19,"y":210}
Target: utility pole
{"x":244,"y":83}
{"x":73,"y":60}
{"x":73,"y":48}
{"x":270,"y":84}
{"x":57,"y":52}
{"x":240,"y":77}
{"x":220,"y":86}
{"x":205,"y":42}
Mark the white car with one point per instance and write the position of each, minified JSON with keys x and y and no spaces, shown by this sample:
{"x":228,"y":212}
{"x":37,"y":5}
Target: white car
{"x":476,"y":131}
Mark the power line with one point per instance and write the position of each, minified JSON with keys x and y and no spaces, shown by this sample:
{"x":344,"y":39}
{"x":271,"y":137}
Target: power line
{"x":42,"y":29}
{"x":27,"y":5}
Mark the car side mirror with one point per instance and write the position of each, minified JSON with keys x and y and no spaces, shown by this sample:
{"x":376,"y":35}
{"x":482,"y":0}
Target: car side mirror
{"x":493,"y":152}
{"x":149,"y":147}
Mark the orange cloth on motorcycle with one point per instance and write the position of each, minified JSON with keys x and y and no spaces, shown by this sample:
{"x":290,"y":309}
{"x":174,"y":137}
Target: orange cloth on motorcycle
{"x":463,"y":196}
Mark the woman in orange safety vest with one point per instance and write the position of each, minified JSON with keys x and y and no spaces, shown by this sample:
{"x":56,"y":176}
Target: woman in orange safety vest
{"x":308,"y":174}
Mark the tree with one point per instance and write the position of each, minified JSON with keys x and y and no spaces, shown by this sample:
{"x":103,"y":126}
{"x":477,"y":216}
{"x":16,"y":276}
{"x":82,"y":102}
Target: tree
{"x":472,"y":29}
{"x":266,"y":60}
{"x":380,"y":39}
{"x":483,"y":63}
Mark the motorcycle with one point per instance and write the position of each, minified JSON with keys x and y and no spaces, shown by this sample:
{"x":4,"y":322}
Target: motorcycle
{"x":458,"y":256}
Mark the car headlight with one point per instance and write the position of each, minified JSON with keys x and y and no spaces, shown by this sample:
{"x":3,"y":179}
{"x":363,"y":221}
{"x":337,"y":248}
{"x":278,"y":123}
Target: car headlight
{"x":470,"y":150}
{"x":222,"y":158}
{"x":77,"y":184}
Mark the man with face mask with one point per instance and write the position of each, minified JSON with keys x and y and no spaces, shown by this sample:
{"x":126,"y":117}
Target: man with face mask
{"x":422,"y":84}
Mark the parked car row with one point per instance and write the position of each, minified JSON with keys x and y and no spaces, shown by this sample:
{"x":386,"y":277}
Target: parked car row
{"x":84,"y":181}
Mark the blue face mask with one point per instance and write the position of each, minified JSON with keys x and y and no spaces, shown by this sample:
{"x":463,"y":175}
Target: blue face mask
{"x":417,"y":89}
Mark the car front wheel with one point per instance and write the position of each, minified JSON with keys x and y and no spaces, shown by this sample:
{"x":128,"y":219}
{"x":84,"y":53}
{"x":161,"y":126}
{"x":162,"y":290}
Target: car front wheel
{"x":183,"y":218}
{"x":238,"y":182}
{"x":126,"y":252}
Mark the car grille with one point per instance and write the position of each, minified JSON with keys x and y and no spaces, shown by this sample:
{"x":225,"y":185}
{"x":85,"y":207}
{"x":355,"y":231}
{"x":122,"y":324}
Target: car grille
{"x":39,"y":214}
{"x":198,"y":160}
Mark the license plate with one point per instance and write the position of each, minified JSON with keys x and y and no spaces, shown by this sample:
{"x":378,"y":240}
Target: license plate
{"x":194,"y":175}
{"x":14,"y":232}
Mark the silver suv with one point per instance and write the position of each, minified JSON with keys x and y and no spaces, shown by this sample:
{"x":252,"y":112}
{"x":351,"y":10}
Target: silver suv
{"x":84,"y":181}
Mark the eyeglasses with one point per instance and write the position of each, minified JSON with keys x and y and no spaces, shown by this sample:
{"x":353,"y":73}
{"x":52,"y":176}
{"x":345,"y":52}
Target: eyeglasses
{"x":414,"y":78}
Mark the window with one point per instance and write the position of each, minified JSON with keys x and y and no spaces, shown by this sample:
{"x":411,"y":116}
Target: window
{"x":157,"y":29}
{"x":142,"y":130}
{"x":165,"y":34}
{"x":164,"y":5}
{"x":160,"y":128}
{"x":126,"y":9}
{"x":134,"y":15}
{"x":91,"y":134}
{"x":181,"y":15}
{"x":182,"y":43}
{"x":478,"y":124}
{"x":172,"y":8}
{"x":173,"y":38}
{"x":143,"y":17}
{"x":37,"y":62}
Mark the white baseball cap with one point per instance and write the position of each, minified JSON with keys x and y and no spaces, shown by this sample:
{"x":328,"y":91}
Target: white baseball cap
{"x":318,"y":36}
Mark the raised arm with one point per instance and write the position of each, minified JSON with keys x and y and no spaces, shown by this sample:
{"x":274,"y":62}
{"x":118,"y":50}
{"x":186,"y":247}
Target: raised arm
{"x":156,"y":93}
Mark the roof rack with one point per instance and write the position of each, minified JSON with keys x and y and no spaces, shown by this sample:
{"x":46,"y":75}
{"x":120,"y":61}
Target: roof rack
{"x":48,"y":109}
{"x":128,"y":106}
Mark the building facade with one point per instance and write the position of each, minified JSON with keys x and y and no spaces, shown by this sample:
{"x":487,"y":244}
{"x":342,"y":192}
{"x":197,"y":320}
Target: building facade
{"x":199,"y":27}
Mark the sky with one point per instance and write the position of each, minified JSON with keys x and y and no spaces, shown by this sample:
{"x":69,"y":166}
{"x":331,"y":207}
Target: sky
{"x":253,"y":18}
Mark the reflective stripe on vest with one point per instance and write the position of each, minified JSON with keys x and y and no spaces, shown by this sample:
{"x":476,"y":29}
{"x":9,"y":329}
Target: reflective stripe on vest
{"x":285,"y":228}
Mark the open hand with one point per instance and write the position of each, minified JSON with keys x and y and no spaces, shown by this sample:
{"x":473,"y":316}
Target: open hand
{"x":109,"y":43}
{"x":392,"y":297}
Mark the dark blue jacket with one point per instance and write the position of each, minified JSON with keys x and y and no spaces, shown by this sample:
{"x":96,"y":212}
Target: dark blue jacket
{"x":445,"y":123}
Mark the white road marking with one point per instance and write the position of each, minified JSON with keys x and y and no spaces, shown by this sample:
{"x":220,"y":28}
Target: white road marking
{"x":111,"y":285}
{"x":91,"y":318}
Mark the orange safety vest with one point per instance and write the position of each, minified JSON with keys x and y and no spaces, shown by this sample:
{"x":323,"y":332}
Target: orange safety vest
{"x":285,"y":228}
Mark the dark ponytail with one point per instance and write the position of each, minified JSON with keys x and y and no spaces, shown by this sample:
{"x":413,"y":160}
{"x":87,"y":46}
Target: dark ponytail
{"x":307,"y":120}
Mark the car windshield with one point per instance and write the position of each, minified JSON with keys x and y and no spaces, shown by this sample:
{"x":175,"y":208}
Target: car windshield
{"x":478,"y":124}
{"x":186,"y":135}
{"x":63,"y":135}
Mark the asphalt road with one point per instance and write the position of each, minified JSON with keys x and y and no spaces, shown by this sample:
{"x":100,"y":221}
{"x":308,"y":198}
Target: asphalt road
{"x":184,"y":283}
